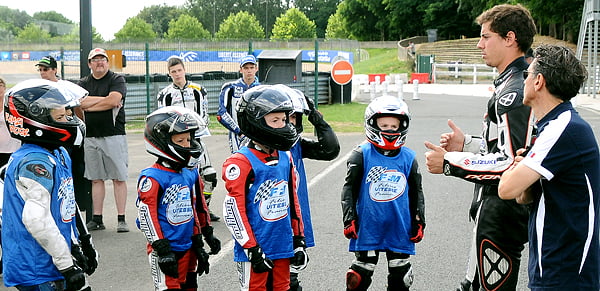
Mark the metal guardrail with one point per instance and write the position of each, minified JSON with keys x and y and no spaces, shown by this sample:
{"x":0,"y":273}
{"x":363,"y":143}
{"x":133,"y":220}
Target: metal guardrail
{"x":137,"y":104}
{"x":458,"y":69}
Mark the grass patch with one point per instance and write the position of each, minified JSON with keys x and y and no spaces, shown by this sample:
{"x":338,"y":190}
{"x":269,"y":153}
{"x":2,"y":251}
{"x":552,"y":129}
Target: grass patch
{"x":382,"y":61}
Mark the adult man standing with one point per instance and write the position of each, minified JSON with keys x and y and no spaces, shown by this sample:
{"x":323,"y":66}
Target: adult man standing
{"x":500,"y":226}
{"x":231,"y":94}
{"x":105,"y":143}
{"x":563,"y":224}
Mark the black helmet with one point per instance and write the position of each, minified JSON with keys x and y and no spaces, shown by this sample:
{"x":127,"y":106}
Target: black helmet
{"x":162,"y":124}
{"x":258,"y":102}
{"x":28,"y":107}
{"x":300,"y":106}
{"x":387,"y":106}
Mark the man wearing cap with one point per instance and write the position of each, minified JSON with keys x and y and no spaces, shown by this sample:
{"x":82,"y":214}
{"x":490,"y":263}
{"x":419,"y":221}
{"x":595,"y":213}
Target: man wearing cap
{"x":47,"y":68}
{"x":105,"y":144}
{"x":231,"y":94}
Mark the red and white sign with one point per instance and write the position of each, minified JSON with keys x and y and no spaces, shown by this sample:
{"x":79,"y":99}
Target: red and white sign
{"x":342,"y":72}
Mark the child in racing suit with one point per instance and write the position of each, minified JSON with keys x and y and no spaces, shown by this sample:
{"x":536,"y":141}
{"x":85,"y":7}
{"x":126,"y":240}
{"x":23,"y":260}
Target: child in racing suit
{"x":45,"y":243}
{"x":382,"y":198}
{"x":261,"y":208}
{"x":167,"y":211}
{"x":325,"y":148}
{"x":193,"y":96}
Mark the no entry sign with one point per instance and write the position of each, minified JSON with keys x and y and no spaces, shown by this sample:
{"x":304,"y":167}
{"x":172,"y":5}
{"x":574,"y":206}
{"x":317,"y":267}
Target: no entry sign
{"x":342,"y":72}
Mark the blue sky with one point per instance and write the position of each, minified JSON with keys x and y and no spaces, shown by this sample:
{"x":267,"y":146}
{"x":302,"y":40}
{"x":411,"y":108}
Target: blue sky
{"x":108,"y":16}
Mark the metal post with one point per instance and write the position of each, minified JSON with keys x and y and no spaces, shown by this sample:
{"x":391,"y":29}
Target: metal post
{"x":146,"y":54}
{"x":85,"y":35}
{"x":62,"y":63}
{"x":316,"y":96}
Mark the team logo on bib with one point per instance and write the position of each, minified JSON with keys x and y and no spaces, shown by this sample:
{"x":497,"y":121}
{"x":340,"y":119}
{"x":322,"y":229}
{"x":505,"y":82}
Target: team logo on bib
{"x":273,"y":199}
{"x":66,"y":196}
{"x":386,"y":185}
{"x":179,"y":204}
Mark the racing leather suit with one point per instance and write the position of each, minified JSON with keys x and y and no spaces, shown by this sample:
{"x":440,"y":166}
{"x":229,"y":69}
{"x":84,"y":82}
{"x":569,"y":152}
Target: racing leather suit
{"x":193,"y":96}
{"x":231,"y":94}
{"x":500,"y":225}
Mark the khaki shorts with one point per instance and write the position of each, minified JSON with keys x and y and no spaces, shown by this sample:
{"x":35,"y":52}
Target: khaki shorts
{"x":106,"y":158}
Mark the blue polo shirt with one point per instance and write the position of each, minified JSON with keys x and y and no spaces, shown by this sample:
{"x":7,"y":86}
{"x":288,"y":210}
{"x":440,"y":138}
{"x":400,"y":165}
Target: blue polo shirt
{"x":563,"y":224}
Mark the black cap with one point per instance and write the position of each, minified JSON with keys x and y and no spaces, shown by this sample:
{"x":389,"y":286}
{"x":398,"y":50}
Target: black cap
{"x":47,"y":61}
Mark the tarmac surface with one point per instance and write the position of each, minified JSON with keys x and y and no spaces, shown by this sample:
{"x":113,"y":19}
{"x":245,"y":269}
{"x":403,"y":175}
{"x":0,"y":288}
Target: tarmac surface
{"x":441,"y":258}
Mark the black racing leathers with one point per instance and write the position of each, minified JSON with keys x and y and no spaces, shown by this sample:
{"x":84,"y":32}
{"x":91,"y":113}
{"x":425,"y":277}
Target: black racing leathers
{"x":501,"y":226}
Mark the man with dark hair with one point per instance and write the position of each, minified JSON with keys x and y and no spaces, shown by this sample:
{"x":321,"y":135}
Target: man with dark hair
{"x":192,"y":96}
{"x":500,"y":226}
{"x":565,"y":163}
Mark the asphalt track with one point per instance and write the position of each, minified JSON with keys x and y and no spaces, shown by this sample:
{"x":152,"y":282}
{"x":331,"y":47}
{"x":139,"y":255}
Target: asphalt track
{"x":441,"y":257}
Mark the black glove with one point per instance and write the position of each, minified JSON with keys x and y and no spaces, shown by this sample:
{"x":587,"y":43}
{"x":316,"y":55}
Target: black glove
{"x":201,"y":255}
{"x":74,"y":278}
{"x":300,"y":259}
{"x":210,"y":176}
{"x":213,"y":242}
{"x":80,"y":259}
{"x":166,"y":258}
{"x":260,"y":262}
{"x":314,"y":115}
{"x":90,"y":253}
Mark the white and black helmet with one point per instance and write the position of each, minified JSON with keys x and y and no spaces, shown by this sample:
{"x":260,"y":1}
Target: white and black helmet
{"x":387,"y":106}
{"x":299,"y":103}
{"x":28,"y":106}
{"x":165,"y":122}
{"x":258,"y":102}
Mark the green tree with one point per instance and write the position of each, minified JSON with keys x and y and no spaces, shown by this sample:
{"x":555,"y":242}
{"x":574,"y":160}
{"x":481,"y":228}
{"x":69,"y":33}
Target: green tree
{"x":293,"y":24}
{"x":135,"y":29}
{"x":186,"y":27}
{"x":33,"y":33}
{"x":73,"y":36}
{"x":336,"y":26}
{"x":560,"y":20}
{"x":159,"y":17}
{"x":358,"y":20}
{"x":51,"y":16}
{"x":318,"y":11}
{"x":241,"y":25}
{"x":13,"y":19}
{"x":212,"y":12}
{"x":449,"y":25}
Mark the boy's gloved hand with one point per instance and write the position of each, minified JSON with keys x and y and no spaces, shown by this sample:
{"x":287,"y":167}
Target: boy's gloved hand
{"x":417,"y":231}
{"x":300,"y":259}
{"x":201,"y":255}
{"x":74,"y":278}
{"x":350,"y":230}
{"x":213,"y":242}
{"x":88,"y":249}
{"x":260,"y":262}
{"x":166,"y":258}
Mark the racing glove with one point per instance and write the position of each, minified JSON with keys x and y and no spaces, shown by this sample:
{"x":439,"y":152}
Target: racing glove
{"x":213,"y":242}
{"x":314,"y":116}
{"x":74,"y":278}
{"x":78,"y":257}
{"x":300,"y":259}
{"x":260,"y":263}
{"x":417,"y":231}
{"x":350,"y":229}
{"x":87,"y":246}
{"x":201,"y":255}
{"x":209,"y":175}
{"x":166,"y":258}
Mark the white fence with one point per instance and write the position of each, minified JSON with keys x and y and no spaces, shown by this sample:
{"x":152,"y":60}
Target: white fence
{"x":458,"y":70}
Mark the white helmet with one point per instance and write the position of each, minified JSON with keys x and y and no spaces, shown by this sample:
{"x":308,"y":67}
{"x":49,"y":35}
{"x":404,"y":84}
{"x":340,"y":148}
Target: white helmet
{"x":387,"y":106}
